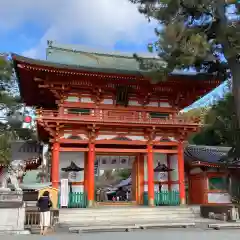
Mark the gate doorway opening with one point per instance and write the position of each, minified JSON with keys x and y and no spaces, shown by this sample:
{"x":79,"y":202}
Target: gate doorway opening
{"x":117,"y":179}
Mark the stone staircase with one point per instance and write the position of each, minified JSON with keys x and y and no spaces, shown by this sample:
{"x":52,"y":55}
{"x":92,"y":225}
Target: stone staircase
{"x":126,"y":215}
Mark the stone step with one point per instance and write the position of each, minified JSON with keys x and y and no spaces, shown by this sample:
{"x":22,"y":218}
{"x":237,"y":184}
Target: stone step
{"x":123,"y":223}
{"x":125,"y":215}
{"x":109,"y":214}
{"x":122,"y":219}
{"x":127,"y":228}
{"x":123,"y":211}
{"x":129,"y":208}
{"x":138,"y":221}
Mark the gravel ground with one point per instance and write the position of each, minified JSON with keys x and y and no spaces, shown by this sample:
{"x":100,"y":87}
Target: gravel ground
{"x":168,"y":234}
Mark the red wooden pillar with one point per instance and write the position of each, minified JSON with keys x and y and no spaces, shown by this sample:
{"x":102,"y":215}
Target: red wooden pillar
{"x":55,"y":165}
{"x":90,"y":168}
{"x":181,"y":173}
{"x":150,"y":176}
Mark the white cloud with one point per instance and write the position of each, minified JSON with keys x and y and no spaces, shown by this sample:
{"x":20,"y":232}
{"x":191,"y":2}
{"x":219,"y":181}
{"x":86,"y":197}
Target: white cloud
{"x":101,"y":23}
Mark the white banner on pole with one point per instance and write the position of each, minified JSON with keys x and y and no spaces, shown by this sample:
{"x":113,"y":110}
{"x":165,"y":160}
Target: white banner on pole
{"x":64,"y":193}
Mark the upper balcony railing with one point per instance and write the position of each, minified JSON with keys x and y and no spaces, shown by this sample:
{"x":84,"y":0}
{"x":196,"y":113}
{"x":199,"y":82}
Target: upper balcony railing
{"x":115,"y":116}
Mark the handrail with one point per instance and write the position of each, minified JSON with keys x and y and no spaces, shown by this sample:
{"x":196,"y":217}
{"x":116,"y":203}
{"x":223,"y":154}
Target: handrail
{"x":108,"y":116}
{"x":32,"y":218}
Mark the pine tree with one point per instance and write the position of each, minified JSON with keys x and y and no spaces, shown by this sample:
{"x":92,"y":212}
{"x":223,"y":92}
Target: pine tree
{"x":10,"y":106}
{"x":220,"y":125}
{"x":195,"y":34}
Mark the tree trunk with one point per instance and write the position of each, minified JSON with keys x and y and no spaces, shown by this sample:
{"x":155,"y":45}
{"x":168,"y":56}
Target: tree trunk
{"x":235,"y":70}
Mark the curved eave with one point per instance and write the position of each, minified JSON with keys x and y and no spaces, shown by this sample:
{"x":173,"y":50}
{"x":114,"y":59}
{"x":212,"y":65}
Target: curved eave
{"x":72,"y":69}
{"x":77,"y":69}
{"x":205,"y":164}
{"x":27,"y":70}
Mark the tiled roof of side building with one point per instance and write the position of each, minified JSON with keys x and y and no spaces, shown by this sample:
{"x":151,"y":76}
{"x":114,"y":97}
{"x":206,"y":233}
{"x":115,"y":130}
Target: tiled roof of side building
{"x":209,"y":154}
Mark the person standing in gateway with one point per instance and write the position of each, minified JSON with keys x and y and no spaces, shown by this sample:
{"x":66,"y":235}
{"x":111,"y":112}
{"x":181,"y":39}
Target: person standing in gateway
{"x":44,"y":204}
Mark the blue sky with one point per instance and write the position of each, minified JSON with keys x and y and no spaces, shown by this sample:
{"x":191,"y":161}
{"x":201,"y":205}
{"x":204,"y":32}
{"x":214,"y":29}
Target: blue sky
{"x":111,"y":25}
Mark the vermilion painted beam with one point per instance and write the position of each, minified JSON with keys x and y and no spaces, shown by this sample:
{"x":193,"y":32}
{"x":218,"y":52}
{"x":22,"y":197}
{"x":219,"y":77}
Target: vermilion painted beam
{"x":71,"y":149}
{"x":165,"y":151}
{"x":163,"y":182}
{"x":78,"y":183}
{"x":68,"y":120}
{"x":165,"y":144}
{"x":120,"y":142}
{"x":72,"y":141}
{"x":116,"y":150}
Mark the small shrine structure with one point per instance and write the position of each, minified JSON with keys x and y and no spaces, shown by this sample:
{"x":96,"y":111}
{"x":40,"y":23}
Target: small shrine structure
{"x":100,"y":105}
{"x":216,"y":182}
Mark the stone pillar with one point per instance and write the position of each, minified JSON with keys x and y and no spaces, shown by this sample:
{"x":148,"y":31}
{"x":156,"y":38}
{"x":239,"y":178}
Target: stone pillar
{"x":181,"y":173}
{"x":150,"y":176}
{"x":55,"y":165}
{"x":90,"y":173}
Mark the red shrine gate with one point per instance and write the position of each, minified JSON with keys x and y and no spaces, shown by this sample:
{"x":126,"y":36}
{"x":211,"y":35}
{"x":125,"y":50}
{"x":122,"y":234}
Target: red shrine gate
{"x":109,"y":111}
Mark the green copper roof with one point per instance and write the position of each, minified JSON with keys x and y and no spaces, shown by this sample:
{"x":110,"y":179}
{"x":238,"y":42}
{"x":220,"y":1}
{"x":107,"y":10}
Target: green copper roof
{"x":75,"y":55}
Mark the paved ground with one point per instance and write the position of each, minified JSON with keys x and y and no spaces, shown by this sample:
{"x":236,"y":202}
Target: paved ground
{"x":168,"y":234}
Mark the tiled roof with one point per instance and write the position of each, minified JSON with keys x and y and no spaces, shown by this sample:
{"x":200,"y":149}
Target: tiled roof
{"x":208,"y":154}
{"x":79,"y":55}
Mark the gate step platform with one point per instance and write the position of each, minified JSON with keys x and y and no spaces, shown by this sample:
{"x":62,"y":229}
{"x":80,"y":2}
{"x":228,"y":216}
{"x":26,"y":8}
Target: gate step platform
{"x":107,"y":215}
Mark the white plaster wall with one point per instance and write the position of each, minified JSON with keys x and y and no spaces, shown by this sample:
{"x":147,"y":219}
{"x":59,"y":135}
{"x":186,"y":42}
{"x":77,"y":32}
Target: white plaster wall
{"x":145,"y":168}
{"x":164,"y":104}
{"x":139,"y":138}
{"x":219,"y":198}
{"x":152,"y":104}
{"x":134,"y":103}
{"x":107,"y":101}
{"x":145,"y":173}
{"x":72,"y":99}
{"x":174,"y":166}
{"x":65,"y":159}
{"x":157,"y":157}
{"x":105,"y":137}
{"x":175,"y":187}
{"x":174,"y":173}
{"x":162,"y":158}
{"x":86,"y":100}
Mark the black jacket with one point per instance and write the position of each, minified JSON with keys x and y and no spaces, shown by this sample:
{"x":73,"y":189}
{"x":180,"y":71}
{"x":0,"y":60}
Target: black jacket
{"x":44,"y":204}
